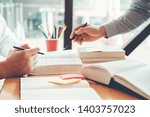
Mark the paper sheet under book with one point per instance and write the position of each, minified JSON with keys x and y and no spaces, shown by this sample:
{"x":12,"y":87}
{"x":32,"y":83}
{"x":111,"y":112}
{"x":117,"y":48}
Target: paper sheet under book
{"x":60,"y":94}
{"x":43,"y":83}
{"x":41,"y":89}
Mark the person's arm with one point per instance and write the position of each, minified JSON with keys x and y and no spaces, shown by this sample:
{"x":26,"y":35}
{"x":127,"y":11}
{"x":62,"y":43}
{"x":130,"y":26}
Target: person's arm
{"x":138,"y":13}
{"x":7,"y":38}
{"x":18,"y":63}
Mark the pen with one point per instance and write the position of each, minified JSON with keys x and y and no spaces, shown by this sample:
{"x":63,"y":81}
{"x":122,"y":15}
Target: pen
{"x":62,"y":30}
{"x":49,"y":34}
{"x":74,"y":37}
{"x":41,"y":29}
{"x":19,"y":48}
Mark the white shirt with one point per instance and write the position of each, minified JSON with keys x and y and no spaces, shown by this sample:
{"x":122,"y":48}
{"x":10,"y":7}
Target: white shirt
{"x":7,"y":38}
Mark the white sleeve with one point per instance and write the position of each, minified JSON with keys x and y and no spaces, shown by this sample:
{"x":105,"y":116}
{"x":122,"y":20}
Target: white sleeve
{"x":7,"y":38}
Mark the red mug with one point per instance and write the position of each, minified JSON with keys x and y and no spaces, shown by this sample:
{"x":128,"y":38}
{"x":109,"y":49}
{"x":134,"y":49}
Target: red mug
{"x":51,"y":44}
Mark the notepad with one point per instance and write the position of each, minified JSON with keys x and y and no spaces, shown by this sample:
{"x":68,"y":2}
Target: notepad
{"x":72,"y":76}
{"x":64,"y":82}
{"x":41,"y":89}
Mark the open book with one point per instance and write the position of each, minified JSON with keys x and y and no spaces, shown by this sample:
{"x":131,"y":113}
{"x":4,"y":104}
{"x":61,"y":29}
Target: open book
{"x":62,"y":62}
{"x":130,"y":73}
{"x":69,"y":61}
{"x":41,"y":89}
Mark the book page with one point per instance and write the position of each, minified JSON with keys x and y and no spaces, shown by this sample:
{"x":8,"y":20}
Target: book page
{"x":60,"y":54}
{"x":43,"y":83}
{"x":137,"y":80}
{"x":59,"y":61}
{"x":60,"y":94}
{"x":103,"y":72}
{"x":103,"y":48}
{"x":118,"y":66}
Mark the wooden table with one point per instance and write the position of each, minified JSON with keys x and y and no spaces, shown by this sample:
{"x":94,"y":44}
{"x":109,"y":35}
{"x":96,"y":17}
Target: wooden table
{"x":11,"y":91}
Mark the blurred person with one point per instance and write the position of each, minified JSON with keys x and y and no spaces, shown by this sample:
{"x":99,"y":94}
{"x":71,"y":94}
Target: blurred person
{"x":17,"y":63}
{"x":138,"y":13}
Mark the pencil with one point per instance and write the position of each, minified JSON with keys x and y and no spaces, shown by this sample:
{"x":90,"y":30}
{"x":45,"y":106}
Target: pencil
{"x":74,"y":37}
{"x":20,"y":48}
{"x":41,"y":29}
{"x":62,"y":30}
{"x":49,"y":34}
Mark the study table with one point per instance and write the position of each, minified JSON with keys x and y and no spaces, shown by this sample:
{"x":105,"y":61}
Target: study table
{"x":11,"y":91}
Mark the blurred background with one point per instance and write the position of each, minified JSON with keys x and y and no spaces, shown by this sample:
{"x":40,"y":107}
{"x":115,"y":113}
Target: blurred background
{"x":24,"y":16}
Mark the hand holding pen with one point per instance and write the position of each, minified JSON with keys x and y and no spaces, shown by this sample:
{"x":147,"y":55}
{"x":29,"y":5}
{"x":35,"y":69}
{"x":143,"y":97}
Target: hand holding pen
{"x":19,"y":63}
{"x":87,"y":34}
{"x":75,"y":36}
{"x":20,"y":48}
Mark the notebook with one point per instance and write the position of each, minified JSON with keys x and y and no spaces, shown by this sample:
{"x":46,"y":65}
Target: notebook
{"x":41,"y":89}
{"x":132,"y":74}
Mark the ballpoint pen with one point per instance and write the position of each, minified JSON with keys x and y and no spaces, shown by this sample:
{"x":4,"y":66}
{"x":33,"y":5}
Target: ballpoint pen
{"x":20,"y":48}
{"x":74,"y":37}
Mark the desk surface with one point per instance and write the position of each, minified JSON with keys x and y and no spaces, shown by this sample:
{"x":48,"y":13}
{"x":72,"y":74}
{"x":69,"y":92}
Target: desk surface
{"x":11,"y":91}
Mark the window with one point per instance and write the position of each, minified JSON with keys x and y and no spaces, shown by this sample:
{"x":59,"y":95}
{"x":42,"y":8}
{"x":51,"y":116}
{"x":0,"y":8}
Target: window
{"x":24,"y":16}
{"x":97,"y":12}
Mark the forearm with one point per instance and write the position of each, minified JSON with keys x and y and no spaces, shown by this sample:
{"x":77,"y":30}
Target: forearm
{"x":2,"y":70}
{"x":133,"y":18}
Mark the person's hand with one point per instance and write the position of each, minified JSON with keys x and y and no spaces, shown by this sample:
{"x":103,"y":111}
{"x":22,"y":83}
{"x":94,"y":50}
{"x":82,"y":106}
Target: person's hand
{"x":19,"y":62}
{"x":87,"y":34}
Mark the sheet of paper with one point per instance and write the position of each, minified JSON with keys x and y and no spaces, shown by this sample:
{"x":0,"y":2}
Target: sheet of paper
{"x":42,"y":83}
{"x":60,"y":94}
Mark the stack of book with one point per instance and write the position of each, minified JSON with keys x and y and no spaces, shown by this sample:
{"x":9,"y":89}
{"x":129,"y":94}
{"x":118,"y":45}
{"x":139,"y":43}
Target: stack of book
{"x":69,"y":61}
{"x":100,"y":54}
